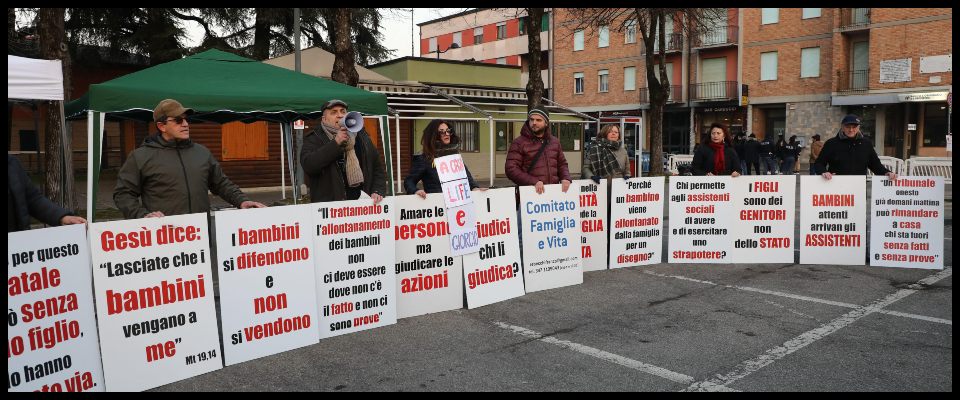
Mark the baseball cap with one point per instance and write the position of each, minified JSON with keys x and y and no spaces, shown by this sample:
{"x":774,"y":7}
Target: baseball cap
{"x":333,"y":102}
{"x":169,"y":108}
{"x":850,"y":119}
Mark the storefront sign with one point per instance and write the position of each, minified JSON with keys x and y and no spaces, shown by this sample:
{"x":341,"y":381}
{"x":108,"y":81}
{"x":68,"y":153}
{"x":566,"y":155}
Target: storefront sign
{"x":931,"y":96}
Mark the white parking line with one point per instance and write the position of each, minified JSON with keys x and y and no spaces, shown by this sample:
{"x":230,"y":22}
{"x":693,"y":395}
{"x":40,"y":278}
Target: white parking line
{"x":770,"y":356}
{"x":806,"y":298}
{"x":606,"y":356}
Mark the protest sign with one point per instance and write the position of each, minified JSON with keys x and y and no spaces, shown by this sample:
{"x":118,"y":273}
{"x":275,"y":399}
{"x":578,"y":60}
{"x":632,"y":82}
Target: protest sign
{"x":833,"y":219}
{"x":268,"y":292}
{"x":906,"y":228}
{"x":701,"y":219}
{"x":429,"y":278}
{"x":356,"y":285}
{"x":636,"y":222}
{"x":551,"y":236}
{"x":593,"y":224}
{"x":764,"y":216}
{"x":493,"y":274}
{"x":155,"y":306}
{"x":52,"y":341}
{"x":461,"y":212}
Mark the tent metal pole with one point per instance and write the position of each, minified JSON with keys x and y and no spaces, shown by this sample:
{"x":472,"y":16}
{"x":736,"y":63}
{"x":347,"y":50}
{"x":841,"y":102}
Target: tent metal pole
{"x":493,"y":171}
{"x":90,"y":166}
{"x":399,"y":179}
{"x":283,"y":179}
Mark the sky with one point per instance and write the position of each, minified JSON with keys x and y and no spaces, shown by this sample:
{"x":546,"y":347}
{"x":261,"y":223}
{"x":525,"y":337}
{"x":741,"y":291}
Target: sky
{"x":396,"y":28}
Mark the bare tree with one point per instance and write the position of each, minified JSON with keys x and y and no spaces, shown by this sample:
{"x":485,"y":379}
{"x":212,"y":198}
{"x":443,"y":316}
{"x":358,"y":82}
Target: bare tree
{"x":650,"y":22}
{"x":532,"y":19}
{"x":58,"y":161}
{"x":344,"y":68}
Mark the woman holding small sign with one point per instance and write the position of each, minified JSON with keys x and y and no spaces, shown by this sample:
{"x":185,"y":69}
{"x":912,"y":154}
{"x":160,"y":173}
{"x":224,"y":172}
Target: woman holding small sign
{"x":606,"y":156}
{"x":716,"y":156}
{"x":438,"y":140}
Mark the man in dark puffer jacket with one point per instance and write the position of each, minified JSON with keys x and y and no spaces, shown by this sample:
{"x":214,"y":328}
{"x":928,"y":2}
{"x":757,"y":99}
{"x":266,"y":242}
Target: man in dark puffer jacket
{"x":524,"y":168}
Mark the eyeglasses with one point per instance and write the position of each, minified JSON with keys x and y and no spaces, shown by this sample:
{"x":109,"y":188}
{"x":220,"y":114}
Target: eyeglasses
{"x":445,"y":132}
{"x":177,"y":120}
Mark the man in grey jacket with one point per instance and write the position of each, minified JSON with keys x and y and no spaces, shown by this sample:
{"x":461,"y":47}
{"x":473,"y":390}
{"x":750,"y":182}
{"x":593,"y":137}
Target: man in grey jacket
{"x":170,"y":175}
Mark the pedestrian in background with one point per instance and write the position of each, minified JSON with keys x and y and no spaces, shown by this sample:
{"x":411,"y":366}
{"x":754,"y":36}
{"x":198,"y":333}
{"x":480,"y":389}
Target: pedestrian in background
{"x":815,"y":149}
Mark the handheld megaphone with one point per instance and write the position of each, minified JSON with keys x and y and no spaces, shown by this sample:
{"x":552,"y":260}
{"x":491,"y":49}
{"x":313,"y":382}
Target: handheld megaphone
{"x":353,"y":121}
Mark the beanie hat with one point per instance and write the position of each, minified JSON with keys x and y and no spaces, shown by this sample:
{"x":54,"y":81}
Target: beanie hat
{"x":539,"y":110}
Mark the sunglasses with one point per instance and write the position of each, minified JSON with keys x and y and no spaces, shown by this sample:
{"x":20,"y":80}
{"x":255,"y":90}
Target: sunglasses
{"x":177,"y":120}
{"x":445,"y":132}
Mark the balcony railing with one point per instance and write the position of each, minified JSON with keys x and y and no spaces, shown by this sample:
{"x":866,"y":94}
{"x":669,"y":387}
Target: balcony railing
{"x":854,"y":17}
{"x":674,"y":42}
{"x":674,"y":94}
{"x":853,"y":81}
{"x":714,"y":91}
{"x":717,"y":36}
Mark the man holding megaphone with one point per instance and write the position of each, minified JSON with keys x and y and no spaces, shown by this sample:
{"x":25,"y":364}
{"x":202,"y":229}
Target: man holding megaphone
{"x":339,"y":158}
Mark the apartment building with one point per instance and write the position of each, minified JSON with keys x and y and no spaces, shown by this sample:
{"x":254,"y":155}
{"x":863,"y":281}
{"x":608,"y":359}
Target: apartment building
{"x":488,"y":35}
{"x":894,"y":66}
{"x":769,"y":71}
{"x":601,"y":71}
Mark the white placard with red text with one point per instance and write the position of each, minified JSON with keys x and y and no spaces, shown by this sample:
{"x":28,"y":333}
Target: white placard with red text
{"x":450,"y":168}
{"x":701,"y":219}
{"x":155,"y":306}
{"x":428,"y":276}
{"x":356,"y":284}
{"x":493,"y":274}
{"x":51,"y":320}
{"x":636,"y":222}
{"x":763,"y":228}
{"x":593,"y":224}
{"x":268,"y":292}
{"x":551,"y":237}
{"x":461,"y":213}
{"x":906,"y":228}
{"x":833,"y":220}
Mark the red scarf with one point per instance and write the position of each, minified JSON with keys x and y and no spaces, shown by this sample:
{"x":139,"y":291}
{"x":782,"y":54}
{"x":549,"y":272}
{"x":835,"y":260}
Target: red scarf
{"x":719,"y":164}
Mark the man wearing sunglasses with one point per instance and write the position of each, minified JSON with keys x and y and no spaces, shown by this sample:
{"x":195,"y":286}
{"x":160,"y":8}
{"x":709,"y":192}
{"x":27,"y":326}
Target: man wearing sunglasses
{"x":169,"y":174}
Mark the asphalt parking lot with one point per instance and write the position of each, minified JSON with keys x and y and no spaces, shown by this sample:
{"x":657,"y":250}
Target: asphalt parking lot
{"x":667,"y":327}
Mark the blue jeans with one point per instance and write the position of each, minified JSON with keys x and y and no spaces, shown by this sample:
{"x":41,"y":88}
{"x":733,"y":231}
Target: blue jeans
{"x":787,"y":166}
{"x":770,"y":164}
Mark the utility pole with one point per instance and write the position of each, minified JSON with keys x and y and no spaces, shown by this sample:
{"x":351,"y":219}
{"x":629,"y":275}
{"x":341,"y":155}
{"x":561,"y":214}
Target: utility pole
{"x":412,"y":38}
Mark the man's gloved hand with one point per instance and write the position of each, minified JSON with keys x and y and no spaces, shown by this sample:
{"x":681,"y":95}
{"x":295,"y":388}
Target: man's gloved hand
{"x":596,"y":179}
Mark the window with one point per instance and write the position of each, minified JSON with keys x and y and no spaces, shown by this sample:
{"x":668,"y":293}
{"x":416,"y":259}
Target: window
{"x":502,"y":61}
{"x":433,"y":45}
{"x":769,"y":16}
{"x":469,"y":135}
{"x":545,"y":22}
{"x":578,"y":83}
{"x":242,"y":141}
{"x":768,"y":66}
{"x":810,"y":62}
{"x":811,"y":13}
{"x":578,"y":40}
{"x":604,"y":36}
{"x":604,"y":76}
{"x":458,"y":38}
{"x":630,"y":33}
{"x":630,"y":78}
{"x":523,"y":28}
{"x":501,"y":30}
{"x":935,"y":124}
{"x":478,"y":35}
{"x":568,"y":133}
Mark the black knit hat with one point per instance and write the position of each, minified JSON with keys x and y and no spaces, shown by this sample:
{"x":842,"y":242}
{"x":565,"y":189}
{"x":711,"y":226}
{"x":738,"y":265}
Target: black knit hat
{"x":539,"y":110}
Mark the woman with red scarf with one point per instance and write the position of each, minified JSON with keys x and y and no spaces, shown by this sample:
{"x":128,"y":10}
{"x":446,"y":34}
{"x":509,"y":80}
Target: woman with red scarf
{"x":716,"y":155}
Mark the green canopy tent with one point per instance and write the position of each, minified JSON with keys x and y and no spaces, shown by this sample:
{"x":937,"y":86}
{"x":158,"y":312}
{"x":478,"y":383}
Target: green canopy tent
{"x":221,"y":87}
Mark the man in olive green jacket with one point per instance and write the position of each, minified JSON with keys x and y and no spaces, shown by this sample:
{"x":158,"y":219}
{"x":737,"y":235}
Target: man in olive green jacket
{"x":170,"y":175}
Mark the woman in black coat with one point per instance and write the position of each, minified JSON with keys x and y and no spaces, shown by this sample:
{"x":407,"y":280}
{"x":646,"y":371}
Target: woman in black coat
{"x":715,"y":155}
{"x":438,"y":140}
